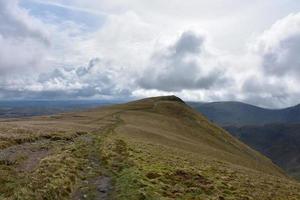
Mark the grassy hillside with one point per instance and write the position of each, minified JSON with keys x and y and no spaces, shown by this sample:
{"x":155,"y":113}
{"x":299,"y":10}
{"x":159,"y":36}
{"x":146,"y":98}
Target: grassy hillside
{"x":280,"y":142}
{"x":156,"y":148}
{"x":239,"y":114}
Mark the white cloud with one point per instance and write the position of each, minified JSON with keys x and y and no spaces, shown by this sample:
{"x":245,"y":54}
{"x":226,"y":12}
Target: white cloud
{"x":16,"y":22}
{"x":279,"y":47}
{"x":95,"y":80}
{"x":276,"y":76}
{"x":23,"y":40}
{"x":143,"y":49}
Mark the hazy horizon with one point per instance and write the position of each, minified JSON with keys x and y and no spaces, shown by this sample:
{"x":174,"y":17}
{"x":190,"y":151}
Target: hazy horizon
{"x":86,"y":103}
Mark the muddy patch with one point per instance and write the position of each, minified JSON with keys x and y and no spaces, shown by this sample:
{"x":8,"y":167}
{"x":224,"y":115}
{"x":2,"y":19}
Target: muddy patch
{"x":25,"y":156}
{"x":33,"y":160}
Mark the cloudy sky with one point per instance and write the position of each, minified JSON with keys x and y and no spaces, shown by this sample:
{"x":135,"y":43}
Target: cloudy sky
{"x":124,"y":49}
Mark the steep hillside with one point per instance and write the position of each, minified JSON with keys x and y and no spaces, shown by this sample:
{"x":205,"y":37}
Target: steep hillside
{"x":156,"y":148}
{"x":280,"y":142}
{"x":239,"y":114}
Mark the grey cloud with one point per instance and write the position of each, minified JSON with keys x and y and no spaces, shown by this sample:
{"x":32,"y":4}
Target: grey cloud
{"x":267,"y":101}
{"x":56,"y":73}
{"x":262,"y":92}
{"x":188,"y":43}
{"x":177,"y":81}
{"x":177,"y":67}
{"x":81,"y":71}
{"x":279,"y":48}
{"x":283,"y":59}
{"x":262,"y":85}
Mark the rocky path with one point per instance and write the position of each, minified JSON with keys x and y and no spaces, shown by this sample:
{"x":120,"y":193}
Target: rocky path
{"x":100,"y":186}
{"x":97,"y":185}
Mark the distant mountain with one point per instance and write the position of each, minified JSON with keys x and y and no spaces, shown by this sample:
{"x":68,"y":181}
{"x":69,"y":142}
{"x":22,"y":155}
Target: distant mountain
{"x":280,"y":142}
{"x":274,"y":133}
{"x":237,"y":113}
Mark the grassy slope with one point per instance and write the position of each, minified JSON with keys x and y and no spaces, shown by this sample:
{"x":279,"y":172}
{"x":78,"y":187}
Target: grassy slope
{"x":155,"y":148}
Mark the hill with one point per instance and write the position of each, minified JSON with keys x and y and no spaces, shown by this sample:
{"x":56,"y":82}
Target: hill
{"x":239,"y":114}
{"x":155,"y":148}
{"x":280,"y":142}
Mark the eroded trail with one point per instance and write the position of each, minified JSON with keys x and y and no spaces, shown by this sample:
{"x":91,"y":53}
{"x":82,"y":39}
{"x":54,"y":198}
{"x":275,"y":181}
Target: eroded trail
{"x":96,"y":184}
{"x":58,"y":167}
{"x":99,"y":186}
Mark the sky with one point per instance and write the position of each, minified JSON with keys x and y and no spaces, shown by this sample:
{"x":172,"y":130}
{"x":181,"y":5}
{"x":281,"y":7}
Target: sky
{"x":217,"y":50}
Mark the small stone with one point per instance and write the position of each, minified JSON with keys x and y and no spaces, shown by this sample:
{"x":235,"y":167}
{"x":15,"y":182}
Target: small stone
{"x":102,"y":190}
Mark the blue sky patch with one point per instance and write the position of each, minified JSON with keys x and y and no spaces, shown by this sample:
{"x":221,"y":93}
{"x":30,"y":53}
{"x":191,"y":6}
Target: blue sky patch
{"x":54,"y":13}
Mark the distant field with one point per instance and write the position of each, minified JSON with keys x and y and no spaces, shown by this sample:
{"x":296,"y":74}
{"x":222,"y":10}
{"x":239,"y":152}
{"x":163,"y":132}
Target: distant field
{"x":16,"y":109}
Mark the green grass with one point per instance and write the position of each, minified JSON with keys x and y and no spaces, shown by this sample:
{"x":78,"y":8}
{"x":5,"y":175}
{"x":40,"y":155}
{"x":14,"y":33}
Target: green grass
{"x":158,"y":172}
{"x":57,"y":175}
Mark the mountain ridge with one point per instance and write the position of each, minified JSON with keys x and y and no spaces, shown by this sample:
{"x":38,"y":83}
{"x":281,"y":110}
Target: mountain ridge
{"x":239,"y":113}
